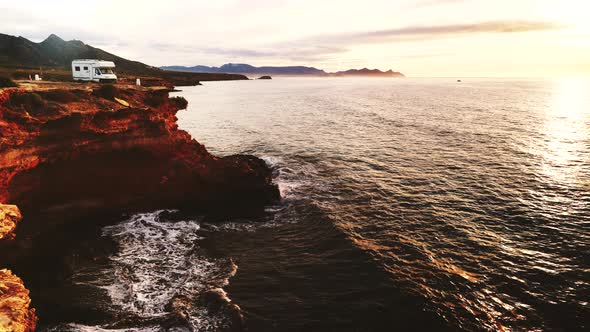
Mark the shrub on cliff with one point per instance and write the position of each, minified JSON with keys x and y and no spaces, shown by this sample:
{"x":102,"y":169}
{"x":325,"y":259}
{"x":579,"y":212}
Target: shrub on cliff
{"x":157,"y":98}
{"x":107,"y":91}
{"x":61,"y":96}
{"x":30,"y":102}
{"x":6,"y":82}
{"x":180,"y":102}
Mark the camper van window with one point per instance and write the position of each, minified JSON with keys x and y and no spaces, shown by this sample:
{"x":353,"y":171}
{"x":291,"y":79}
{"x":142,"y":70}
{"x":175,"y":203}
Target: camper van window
{"x":77,"y":68}
{"x":97,"y":71}
{"x":85,"y":68}
{"x":106,"y":70}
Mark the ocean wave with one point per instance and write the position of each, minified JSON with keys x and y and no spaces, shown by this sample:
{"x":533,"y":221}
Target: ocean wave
{"x":159,"y":274}
{"x":292,"y":182}
{"x":72,"y":327}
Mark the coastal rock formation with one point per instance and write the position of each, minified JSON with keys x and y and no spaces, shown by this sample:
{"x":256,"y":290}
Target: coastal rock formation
{"x":265,"y":77}
{"x":70,"y":151}
{"x":16,"y":315}
{"x":9,"y":218}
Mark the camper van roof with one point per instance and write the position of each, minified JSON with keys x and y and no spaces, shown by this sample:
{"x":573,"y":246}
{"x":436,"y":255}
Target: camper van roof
{"x":98,"y":63}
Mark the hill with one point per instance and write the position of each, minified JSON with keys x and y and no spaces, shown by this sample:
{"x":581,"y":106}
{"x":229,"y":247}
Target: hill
{"x":241,"y":68}
{"x":368,"y":72}
{"x":56,"y":52}
{"x":18,"y":54}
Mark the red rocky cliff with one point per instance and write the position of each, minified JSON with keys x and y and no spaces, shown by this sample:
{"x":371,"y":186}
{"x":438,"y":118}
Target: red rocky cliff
{"x":66,"y":152}
{"x":73,"y":150}
{"x":15,"y":312}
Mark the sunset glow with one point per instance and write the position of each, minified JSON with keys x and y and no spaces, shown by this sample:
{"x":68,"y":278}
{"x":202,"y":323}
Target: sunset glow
{"x":573,"y":13}
{"x":294,"y":165}
{"x":523,"y":38}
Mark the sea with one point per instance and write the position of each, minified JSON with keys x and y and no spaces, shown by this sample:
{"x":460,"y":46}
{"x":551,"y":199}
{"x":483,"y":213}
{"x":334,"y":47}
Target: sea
{"x":414,"y":204}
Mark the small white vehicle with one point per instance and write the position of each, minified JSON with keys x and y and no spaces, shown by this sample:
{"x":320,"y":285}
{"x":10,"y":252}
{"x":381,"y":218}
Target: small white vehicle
{"x":93,"y":70}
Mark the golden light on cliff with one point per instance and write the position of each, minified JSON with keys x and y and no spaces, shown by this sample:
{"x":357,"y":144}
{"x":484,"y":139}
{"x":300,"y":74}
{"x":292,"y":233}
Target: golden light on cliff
{"x":16,"y":315}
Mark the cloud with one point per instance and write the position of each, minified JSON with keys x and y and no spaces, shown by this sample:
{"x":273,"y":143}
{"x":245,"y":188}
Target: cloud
{"x":422,"y":55}
{"x":248,"y":53}
{"x":432,"y":3}
{"x":19,"y":22}
{"x":287,"y":51}
{"x":306,"y":49}
{"x":321,"y":47}
{"x":437,"y":31}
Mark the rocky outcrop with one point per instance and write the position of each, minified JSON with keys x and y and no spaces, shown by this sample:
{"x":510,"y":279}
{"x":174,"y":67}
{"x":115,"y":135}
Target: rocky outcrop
{"x":15,"y":312}
{"x":69,"y":152}
{"x":9,"y":217}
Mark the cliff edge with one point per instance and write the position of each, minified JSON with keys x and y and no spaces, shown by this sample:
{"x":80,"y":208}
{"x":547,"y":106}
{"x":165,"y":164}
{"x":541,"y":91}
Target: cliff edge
{"x":71,"y":150}
{"x":68,"y":151}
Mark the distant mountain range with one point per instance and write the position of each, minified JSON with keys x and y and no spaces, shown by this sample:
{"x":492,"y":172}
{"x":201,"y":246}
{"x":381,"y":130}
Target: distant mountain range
{"x":54,"y":52}
{"x":240,"y":68}
{"x":367,"y":72}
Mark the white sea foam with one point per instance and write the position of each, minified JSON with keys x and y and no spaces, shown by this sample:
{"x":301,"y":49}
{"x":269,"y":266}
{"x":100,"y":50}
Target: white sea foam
{"x":85,"y":328}
{"x":287,"y":179}
{"x":156,"y":261}
{"x":272,"y":161}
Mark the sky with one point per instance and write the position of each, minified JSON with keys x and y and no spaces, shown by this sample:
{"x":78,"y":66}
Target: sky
{"x":430,"y":38}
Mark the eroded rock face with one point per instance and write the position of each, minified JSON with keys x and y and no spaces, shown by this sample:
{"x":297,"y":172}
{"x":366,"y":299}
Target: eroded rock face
{"x":69,"y":152}
{"x":9,"y":218}
{"x":15,"y":312}
{"x":73,"y":151}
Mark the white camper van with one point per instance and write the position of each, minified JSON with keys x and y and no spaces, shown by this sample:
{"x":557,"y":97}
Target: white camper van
{"x":93,"y":70}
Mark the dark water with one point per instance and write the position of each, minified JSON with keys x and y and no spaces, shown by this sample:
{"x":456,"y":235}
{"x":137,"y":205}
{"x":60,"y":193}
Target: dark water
{"x":407,"y":205}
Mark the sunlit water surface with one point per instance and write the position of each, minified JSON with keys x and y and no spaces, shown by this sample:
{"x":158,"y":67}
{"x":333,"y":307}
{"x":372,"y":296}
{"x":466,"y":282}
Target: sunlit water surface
{"x":473,"y":196}
{"x":406,"y":203}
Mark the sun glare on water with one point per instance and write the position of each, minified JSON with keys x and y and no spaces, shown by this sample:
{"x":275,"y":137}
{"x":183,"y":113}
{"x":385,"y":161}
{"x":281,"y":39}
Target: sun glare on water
{"x":566,"y":130}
